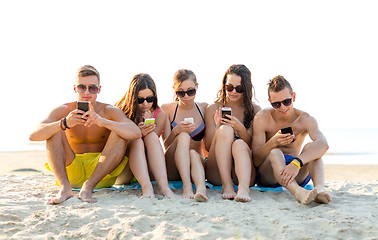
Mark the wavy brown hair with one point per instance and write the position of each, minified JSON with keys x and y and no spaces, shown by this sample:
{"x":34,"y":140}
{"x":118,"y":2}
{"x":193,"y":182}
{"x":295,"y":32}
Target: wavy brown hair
{"x":248,"y":93}
{"x":129,"y":102}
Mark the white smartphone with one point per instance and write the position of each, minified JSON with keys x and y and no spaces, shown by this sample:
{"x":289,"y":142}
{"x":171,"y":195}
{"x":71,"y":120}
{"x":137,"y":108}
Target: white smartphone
{"x":191,"y":120}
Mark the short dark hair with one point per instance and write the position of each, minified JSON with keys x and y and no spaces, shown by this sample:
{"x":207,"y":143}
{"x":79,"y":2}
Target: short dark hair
{"x":278,"y":84}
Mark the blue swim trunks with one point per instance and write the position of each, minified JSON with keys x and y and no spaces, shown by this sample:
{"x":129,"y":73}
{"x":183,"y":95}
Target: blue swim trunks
{"x":288,"y":160}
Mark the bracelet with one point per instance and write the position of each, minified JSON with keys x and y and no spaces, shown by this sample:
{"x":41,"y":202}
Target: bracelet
{"x":61,"y":124}
{"x":296,"y":164}
{"x":299,"y":160}
{"x":65,"y":123}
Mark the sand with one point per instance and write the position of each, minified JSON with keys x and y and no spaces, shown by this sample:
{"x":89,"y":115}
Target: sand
{"x":24,"y":213}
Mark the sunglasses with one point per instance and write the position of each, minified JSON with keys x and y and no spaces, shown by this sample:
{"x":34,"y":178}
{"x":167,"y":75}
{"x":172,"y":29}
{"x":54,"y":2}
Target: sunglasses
{"x":238,"y":88}
{"x":190,"y":93}
{"x":286,"y":102}
{"x":93,"y":89}
{"x":148,"y":99}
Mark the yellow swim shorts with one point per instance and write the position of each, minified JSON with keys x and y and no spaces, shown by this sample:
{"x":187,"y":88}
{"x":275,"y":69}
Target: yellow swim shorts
{"x":83,"y":166}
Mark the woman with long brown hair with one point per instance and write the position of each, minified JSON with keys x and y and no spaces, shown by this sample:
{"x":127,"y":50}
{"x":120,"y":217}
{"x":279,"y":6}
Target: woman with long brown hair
{"x":229,"y":137}
{"x":140,"y":103}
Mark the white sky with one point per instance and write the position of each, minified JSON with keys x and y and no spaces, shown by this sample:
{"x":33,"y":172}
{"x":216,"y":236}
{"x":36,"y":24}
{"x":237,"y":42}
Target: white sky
{"x":326,"y":49}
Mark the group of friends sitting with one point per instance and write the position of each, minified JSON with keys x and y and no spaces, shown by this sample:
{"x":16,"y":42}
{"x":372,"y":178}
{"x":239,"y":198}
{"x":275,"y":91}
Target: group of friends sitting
{"x":91,"y":145}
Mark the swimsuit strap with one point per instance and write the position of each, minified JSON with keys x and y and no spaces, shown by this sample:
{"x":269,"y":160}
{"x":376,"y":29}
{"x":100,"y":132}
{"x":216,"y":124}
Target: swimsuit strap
{"x":174,"y":116}
{"x":156,"y":112}
{"x":199,"y":111}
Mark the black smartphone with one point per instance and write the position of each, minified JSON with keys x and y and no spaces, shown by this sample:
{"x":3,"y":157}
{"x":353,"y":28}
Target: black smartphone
{"x":226,"y":110}
{"x":84,"y":106}
{"x":287,"y":130}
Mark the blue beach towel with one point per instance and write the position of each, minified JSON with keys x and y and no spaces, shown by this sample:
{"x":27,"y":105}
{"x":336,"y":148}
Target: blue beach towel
{"x":178,"y":185}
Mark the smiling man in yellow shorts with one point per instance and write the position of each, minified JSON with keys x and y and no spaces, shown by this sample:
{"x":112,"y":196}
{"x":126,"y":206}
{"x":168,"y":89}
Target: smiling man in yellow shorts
{"x":86,"y":148}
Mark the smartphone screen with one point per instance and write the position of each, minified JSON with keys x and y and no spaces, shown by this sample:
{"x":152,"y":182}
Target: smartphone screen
{"x":84,"y":106}
{"x":287,"y":130}
{"x":226,"y":111}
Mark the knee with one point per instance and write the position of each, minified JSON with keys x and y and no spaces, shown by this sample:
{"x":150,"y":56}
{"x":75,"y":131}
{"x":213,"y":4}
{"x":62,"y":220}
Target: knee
{"x":239,"y":145}
{"x":225,"y":132}
{"x":275,"y":155}
{"x":152,"y":135}
{"x":183,"y":138}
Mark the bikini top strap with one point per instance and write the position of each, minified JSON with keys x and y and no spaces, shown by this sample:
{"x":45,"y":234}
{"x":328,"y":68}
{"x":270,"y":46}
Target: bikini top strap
{"x":174,"y":116}
{"x":199,"y":111}
{"x":156,"y":112}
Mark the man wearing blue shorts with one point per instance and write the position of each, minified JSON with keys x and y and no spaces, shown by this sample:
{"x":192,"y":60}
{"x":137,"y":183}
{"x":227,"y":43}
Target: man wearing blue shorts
{"x":278,"y":156}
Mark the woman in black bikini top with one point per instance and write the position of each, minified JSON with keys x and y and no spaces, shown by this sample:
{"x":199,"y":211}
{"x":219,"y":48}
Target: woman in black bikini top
{"x":183,"y":153}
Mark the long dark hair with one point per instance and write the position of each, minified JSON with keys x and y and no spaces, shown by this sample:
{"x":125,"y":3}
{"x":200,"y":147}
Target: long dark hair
{"x":243,"y":72}
{"x":129,"y":102}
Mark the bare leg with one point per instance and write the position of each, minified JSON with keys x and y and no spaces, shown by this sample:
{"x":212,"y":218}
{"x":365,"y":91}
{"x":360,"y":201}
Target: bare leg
{"x":156,"y":163}
{"x":277,"y":160}
{"x":110,"y":158}
{"x":243,"y":168}
{"x":224,"y":139}
{"x":138,"y":165}
{"x":178,"y":163}
{"x":60,"y":155}
{"x":317,"y":175}
{"x":198,"y":176}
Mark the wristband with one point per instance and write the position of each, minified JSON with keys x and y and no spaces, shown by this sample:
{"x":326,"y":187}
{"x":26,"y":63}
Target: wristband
{"x":61,"y":124}
{"x":296,"y":164}
{"x":65,"y":123}
{"x":299,"y":160}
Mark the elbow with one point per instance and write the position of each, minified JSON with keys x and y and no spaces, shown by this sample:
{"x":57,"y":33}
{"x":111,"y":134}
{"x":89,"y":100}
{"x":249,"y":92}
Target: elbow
{"x":33,"y":138}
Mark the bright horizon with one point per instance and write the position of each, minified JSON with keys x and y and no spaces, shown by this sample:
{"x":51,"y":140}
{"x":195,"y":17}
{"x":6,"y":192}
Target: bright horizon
{"x":327,"y":51}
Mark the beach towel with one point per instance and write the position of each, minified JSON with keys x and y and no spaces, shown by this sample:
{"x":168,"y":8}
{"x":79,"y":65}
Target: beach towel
{"x":178,"y":185}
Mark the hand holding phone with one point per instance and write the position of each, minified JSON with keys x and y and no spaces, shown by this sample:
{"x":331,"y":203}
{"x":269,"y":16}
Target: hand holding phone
{"x":287,"y":130}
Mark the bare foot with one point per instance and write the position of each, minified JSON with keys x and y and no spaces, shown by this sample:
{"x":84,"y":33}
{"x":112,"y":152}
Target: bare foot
{"x":243,"y":195}
{"x":148,"y":191}
{"x":200,"y":195}
{"x":305,"y":196}
{"x":322,"y":196}
{"x":187,"y":192}
{"x":229,"y":193}
{"x":85,"y":194}
{"x":167,"y":192}
{"x":63,"y":195}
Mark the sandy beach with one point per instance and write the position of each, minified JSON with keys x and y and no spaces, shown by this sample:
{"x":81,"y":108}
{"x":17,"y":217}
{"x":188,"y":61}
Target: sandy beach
{"x":24,"y":214}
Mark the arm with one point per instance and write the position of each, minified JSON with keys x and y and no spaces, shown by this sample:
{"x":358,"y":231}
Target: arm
{"x":318,"y":147}
{"x":51,"y":125}
{"x":212,"y":122}
{"x":119,"y":123}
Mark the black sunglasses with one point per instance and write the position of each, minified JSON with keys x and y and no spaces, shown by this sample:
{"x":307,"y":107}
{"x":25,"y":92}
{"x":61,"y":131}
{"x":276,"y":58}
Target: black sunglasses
{"x":91,"y":88}
{"x":238,"y":88}
{"x":285,"y":102}
{"x":190,"y":93}
{"x":148,"y":99}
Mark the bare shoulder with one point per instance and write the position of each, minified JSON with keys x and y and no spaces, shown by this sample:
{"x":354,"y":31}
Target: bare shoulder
{"x":213,"y":107}
{"x":167,"y":107}
{"x":111,"y":112}
{"x":263,"y":117}
{"x":60,"y":112}
{"x":161,"y":114}
{"x":305,"y":117}
{"x":256,"y":108}
{"x":203,"y":106}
